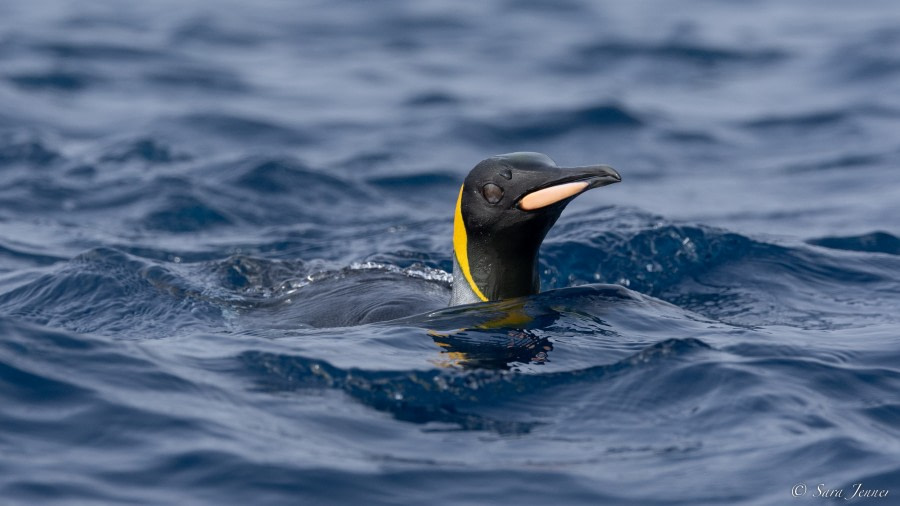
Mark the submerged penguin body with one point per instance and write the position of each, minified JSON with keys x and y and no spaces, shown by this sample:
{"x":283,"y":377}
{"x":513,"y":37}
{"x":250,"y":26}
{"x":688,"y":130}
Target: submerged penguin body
{"x":505,"y":208}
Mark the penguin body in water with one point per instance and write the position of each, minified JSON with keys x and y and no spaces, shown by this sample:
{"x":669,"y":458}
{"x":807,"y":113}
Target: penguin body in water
{"x":505,"y":208}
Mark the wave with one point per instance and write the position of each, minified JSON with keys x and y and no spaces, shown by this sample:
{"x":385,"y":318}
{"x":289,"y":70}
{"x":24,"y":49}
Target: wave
{"x":542,"y":125}
{"x":105,"y":291}
{"x":157,"y":186}
{"x":289,"y":176}
{"x":872,"y":57}
{"x":433,"y":99}
{"x":143,"y":149}
{"x":213,"y":31}
{"x":242,"y":127}
{"x":874,"y":242}
{"x":108,"y":292}
{"x":70,"y":50}
{"x":813,"y":120}
{"x":186,"y":213}
{"x":55,"y":81}
{"x":17,"y":256}
{"x":679,"y":52}
{"x":442,"y":396}
{"x":806,"y":120}
{"x":198,"y":78}
{"x":355,"y":295}
{"x":18,"y":149}
{"x":717,"y":273}
{"x":852,"y":161}
{"x":721,"y":275}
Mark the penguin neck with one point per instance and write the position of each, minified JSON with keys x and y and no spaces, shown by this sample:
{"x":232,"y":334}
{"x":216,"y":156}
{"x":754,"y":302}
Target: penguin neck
{"x":500,"y":267}
{"x":462,"y":290}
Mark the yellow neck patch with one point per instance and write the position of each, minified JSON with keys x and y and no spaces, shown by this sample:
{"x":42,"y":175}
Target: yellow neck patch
{"x":460,"y":246}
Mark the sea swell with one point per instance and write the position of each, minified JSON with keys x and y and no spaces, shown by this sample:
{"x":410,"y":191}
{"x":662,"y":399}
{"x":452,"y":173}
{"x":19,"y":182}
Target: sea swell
{"x":226,"y":239}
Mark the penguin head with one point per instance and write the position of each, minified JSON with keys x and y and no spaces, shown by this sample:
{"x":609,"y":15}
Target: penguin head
{"x":519,"y":192}
{"x":506,"y":206}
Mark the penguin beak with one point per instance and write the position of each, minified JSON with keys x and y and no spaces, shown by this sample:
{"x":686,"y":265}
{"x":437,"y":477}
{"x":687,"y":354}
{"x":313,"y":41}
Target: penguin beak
{"x":567,"y":184}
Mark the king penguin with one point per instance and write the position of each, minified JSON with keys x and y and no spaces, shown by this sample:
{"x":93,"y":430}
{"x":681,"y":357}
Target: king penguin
{"x":506,"y":206}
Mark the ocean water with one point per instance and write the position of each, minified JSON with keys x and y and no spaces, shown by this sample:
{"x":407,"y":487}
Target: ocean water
{"x":225,"y":243}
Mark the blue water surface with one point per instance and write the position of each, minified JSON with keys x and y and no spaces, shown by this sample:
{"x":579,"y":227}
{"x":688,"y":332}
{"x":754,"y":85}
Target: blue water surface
{"x":225,"y":237}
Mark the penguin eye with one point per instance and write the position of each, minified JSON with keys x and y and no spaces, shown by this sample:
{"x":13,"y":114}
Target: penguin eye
{"x":492,"y":193}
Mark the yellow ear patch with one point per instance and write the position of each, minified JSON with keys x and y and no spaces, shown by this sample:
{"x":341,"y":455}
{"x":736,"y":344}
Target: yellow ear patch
{"x":460,"y":246}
